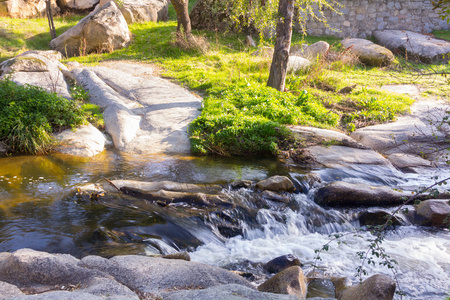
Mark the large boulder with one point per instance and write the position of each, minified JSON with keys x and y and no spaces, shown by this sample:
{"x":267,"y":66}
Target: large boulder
{"x":24,"y":9}
{"x":341,"y":193}
{"x":77,"y":5}
{"x":102,"y":30}
{"x":85,"y":141}
{"x":434,"y":213}
{"x":35,"y":69}
{"x":414,"y":45}
{"x":137,"y":11}
{"x":379,"y":287}
{"x":345,"y":155}
{"x":312,"y":52}
{"x":151,"y":275}
{"x":368,"y":52}
{"x":290,"y":281}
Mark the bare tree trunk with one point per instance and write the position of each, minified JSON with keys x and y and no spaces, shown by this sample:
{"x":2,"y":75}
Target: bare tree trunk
{"x":278,"y":68}
{"x":48,"y":10}
{"x":181,"y":8}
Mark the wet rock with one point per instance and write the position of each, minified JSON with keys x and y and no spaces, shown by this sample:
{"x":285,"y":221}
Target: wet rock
{"x":111,"y":33}
{"x":151,"y":275}
{"x":341,"y":193}
{"x":297,"y":63}
{"x":434,"y":212}
{"x":241,"y":184}
{"x":290,"y":281}
{"x":8,"y":290}
{"x":85,"y":141}
{"x":378,"y":217}
{"x":380,"y":287}
{"x":180,"y":255}
{"x":228,"y":291}
{"x":276,"y":184}
{"x":346,"y":155}
{"x":280,"y":263}
{"x":368,"y":52}
{"x":272,"y":196}
{"x":321,"y":288}
{"x":340,"y":285}
{"x":418,"y":46}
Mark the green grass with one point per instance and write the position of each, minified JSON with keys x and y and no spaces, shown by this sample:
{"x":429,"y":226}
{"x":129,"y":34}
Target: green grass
{"x":240,"y":114}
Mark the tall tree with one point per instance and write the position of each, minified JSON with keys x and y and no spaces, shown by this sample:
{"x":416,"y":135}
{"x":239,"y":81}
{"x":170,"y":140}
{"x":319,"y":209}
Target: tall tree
{"x":183,"y":20}
{"x":278,"y":68}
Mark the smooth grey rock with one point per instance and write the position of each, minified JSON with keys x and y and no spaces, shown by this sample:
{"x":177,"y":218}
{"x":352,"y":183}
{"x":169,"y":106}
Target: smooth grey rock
{"x":345,"y":155}
{"x":8,"y":290}
{"x":403,"y":160}
{"x":154,"y":186}
{"x":102,"y":30}
{"x":380,"y":287}
{"x":24,"y":9}
{"x":318,"y":135}
{"x":311,"y":52}
{"x":297,"y":63}
{"x":151,"y":275}
{"x":35,"y":69}
{"x":280,"y":263}
{"x":121,"y":124}
{"x":418,"y":46}
{"x":290,"y":281}
{"x":228,"y":292}
{"x":434,"y":212}
{"x":341,"y":193}
{"x":85,"y":141}
{"x":276,"y":184}
{"x":368,"y":52}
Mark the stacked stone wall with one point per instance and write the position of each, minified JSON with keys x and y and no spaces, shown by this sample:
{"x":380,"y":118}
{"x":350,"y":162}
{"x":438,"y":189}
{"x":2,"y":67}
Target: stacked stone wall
{"x":360,"y":18}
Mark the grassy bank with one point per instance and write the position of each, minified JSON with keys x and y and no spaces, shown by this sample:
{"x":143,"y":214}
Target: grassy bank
{"x":240,"y":114}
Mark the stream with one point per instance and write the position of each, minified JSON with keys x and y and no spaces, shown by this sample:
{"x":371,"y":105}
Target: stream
{"x":40,"y":209}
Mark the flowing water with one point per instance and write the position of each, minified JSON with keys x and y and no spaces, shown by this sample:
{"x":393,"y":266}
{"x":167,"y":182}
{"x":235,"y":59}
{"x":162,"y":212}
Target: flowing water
{"x":39,"y":209}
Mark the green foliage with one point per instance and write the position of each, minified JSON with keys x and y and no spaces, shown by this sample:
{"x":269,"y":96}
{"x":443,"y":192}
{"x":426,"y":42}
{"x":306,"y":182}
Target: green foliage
{"x":29,"y":115}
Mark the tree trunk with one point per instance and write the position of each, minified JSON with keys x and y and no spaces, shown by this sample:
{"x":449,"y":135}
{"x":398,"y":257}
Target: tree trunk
{"x":278,"y":68}
{"x":181,"y":8}
{"x":48,"y":10}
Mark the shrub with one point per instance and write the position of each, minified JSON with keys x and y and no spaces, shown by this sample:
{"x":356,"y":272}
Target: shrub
{"x":29,"y":115}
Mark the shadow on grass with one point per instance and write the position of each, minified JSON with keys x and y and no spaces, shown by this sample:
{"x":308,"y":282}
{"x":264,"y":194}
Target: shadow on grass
{"x":41,"y":41}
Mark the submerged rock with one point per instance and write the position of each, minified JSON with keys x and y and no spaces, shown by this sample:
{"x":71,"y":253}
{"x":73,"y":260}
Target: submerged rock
{"x":290,"y":281}
{"x":380,"y":287}
{"x":378,"y":217}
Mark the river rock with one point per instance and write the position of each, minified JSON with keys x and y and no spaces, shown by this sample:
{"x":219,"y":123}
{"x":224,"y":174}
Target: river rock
{"x":77,"y":5}
{"x":380,"y":287}
{"x":280,"y":263}
{"x":24,"y":9}
{"x":154,"y":186}
{"x":180,"y":255}
{"x":297,"y":63}
{"x":290,"y":281}
{"x":8,"y":290}
{"x":341,"y":193}
{"x":317,"y":136}
{"x":272,"y":196}
{"x":368,"y":52}
{"x":345,"y":155}
{"x":85,"y":141}
{"x":434,"y":213}
{"x":152,"y":275}
{"x":403,"y":160}
{"x":122,"y":124}
{"x":416,"y":45}
{"x":312,"y":52}
{"x":38,"y":70}
{"x":374,"y":217}
{"x":276,"y":184}
{"x":228,"y":291}
{"x":102,"y":30}
{"x":241,"y":184}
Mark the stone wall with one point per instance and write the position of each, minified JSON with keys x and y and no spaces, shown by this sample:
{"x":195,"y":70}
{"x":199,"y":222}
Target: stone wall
{"x":360,"y":18}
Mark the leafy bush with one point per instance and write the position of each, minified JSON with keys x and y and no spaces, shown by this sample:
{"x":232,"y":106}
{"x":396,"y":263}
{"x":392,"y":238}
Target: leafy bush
{"x":29,"y":115}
